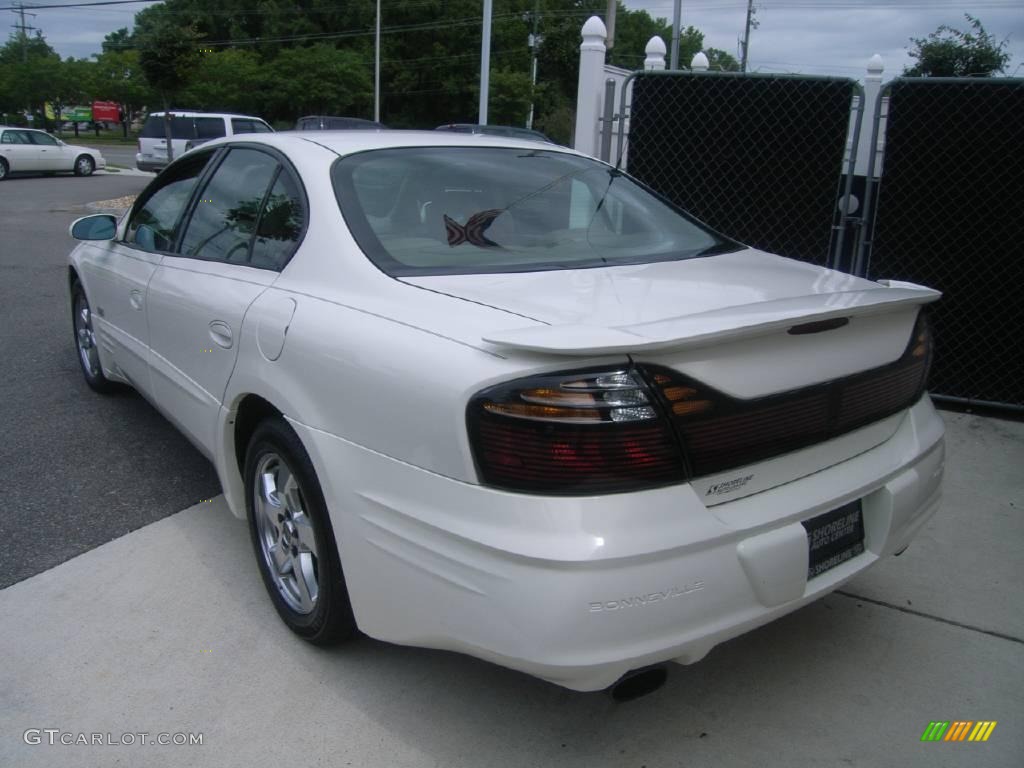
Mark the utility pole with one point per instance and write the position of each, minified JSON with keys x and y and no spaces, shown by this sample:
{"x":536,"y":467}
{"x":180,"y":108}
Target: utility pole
{"x":746,"y":35}
{"x":535,"y":41}
{"x":674,"y":56}
{"x":20,"y":10}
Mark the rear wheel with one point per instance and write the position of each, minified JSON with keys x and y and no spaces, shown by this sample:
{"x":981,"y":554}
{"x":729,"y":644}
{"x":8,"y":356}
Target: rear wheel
{"x":3,"y":169}
{"x":292,"y":536}
{"x":85,"y":342}
{"x":84,"y":166}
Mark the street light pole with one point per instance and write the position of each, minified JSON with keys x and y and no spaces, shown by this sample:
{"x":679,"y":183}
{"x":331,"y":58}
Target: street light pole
{"x":376,"y":70}
{"x":485,"y":62}
{"x":676,"y":13}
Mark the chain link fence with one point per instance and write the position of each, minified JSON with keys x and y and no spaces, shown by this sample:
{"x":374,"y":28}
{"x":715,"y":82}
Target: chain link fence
{"x":757,"y":157}
{"x":949,"y":213}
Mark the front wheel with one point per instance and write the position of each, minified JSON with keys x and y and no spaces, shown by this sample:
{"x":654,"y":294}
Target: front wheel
{"x":85,"y":342}
{"x":292,"y":536}
{"x":84,"y":166}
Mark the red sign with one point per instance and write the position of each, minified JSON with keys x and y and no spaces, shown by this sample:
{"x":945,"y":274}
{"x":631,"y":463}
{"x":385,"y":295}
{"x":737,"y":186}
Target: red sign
{"x":105,"y":112}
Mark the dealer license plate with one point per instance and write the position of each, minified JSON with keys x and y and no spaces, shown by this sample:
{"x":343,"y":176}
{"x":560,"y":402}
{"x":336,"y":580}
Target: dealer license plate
{"x":834,"y":537}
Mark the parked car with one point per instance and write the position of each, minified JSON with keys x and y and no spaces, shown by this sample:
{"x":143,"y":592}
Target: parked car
{"x":497,"y":397}
{"x":496,"y":130}
{"x":189,"y":129}
{"x":334,"y":123}
{"x":26,"y":150}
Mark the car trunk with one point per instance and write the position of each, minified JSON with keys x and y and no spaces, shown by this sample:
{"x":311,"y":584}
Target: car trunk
{"x":781,"y":347}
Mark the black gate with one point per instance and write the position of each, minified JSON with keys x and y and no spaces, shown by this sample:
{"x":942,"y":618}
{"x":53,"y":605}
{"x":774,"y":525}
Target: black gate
{"x":758,"y":157}
{"x":949,"y":213}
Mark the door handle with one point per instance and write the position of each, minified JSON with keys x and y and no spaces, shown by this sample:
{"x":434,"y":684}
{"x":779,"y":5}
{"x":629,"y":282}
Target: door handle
{"x":135,"y":299}
{"x":220,"y":332}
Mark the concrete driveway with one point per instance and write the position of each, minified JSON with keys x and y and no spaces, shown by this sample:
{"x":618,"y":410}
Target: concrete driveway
{"x":168,"y":630}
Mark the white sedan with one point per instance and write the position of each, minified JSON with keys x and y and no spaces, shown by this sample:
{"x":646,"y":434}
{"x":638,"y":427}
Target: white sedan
{"x":25,"y":150}
{"x":492,"y":396}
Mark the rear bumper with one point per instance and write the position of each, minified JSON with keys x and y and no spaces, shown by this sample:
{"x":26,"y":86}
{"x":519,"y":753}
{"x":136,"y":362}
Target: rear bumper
{"x":145,"y":164}
{"x":579,"y":591}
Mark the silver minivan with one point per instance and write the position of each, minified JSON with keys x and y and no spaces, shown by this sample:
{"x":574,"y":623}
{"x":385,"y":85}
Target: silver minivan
{"x":189,"y":129}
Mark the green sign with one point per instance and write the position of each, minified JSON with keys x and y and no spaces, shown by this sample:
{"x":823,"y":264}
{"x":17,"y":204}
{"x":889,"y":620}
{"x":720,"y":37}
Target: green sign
{"x":79,"y":114}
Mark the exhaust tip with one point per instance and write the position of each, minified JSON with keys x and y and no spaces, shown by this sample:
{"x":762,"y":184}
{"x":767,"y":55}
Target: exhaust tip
{"x":638,"y":682}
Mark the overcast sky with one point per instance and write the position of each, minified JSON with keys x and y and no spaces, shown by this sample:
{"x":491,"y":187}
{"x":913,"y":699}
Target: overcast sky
{"x":811,"y":36}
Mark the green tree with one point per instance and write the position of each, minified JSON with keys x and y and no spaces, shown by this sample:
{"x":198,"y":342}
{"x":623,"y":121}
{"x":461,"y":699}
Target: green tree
{"x":949,"y":52}
{"x":31,"y":72}
{"x":319,"y":79}
{"x":721,"y":61}
{"x":229,"y":80}
{"x":168,"y":55}
{"x":118,"y":40}
{"x":117,"y":76}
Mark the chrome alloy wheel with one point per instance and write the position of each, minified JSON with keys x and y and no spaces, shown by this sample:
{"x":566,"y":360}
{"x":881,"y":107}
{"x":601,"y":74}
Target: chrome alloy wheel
{"x":86,"y":337}
{"x":84,"y":166}
{"x":285,"y":534}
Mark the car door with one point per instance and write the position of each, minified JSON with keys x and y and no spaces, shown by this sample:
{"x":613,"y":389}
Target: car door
{"x":116,"y":274}
{"x":48,"y":152}
{"x":199,"y":296}
{"x":19,"y":151}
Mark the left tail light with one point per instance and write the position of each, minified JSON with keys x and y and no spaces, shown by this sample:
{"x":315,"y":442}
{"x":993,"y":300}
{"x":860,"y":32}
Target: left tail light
{"x":575,"y":433}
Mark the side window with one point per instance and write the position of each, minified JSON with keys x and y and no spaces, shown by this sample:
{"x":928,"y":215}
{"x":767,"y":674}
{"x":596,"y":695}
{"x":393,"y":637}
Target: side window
{"x":10,"y":137}
{"x":42,"y":139}
{"x":224,"y":219}
{"x":153,"y":222}
{"x":209,"y":127}
{"x":280,"y":224}
{"x":243,"y":125}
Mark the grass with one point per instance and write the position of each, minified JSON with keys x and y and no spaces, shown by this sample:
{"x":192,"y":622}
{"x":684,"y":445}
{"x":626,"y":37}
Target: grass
{"x":88,"y":137}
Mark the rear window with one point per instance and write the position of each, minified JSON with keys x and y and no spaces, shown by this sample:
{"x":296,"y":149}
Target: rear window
{"x":181,"y":128}
{"x":244,"y":125}
{"x":466,"y":210}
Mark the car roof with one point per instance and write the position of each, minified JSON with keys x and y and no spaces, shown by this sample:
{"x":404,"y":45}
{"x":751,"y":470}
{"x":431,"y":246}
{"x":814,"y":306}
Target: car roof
{"x":193,"y":113}
{"x":348,"y":142}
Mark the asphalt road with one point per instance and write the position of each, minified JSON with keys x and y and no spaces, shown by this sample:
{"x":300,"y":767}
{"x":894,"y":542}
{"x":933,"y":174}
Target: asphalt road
{"x":81,"y":469}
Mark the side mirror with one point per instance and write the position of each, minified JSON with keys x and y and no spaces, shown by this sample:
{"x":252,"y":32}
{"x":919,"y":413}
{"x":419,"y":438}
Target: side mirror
{"x":99,"y":226}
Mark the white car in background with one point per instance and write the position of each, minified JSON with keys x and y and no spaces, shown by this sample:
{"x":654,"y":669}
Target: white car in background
{"x":496,"y":397}
{"x":27,"y":150}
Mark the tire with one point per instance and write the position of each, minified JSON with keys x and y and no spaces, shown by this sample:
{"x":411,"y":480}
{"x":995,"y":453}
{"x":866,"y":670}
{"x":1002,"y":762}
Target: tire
{"x":85,"y":342}
{"x":84,"y":165}
{"x":3,"y":169}
{"x":292,"y":537}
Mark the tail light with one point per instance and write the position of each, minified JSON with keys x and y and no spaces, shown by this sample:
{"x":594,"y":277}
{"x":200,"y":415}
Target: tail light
{"x":575,"y":433}
{"x":588,"y":432}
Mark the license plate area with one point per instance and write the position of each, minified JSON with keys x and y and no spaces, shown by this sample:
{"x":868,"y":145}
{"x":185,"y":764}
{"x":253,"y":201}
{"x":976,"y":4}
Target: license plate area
{"x":834,"y":537}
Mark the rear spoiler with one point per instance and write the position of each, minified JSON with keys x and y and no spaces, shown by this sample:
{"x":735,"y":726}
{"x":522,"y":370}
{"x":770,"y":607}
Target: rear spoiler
{"x":716,"y":325}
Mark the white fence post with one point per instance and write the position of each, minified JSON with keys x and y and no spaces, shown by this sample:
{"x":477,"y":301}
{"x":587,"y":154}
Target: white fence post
{"x":655,"y":51}
{"x":872,"y":86}
{"x":590,"y":86}
{"x":699,"y":62}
